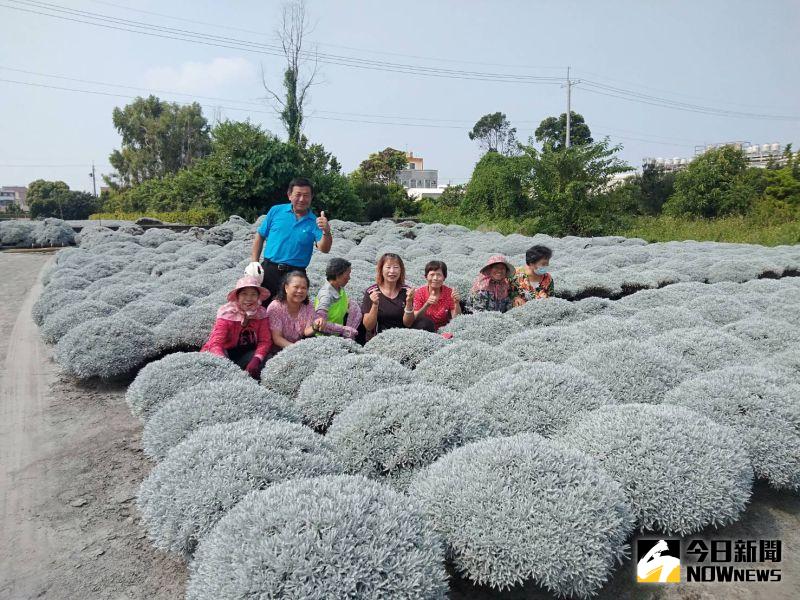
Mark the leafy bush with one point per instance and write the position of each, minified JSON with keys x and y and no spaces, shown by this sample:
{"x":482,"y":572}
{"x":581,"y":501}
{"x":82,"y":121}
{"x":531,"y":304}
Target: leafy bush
{"x":52,"y":232}
{"x":147,"y":312}
{"x":195,"y":216}
{"x":154,"y":237}
{"x":340,"y":381}
{"x":209,"y":404}
{"x":720,"y":309}
{"x":788,"y":361}
{"x":391,"y":433}
{"x":286,"y":370}
{"x":523,"y":508}
{"x":187,"y":328}
{"x":120,"y":294}
{"x":649,"y":448}
{"x":58,"y":323}
{"x":52,"y":300}
{"x":159,"y":381}
{"x":765,"y":335}
{"x":713,"y":185}
{"x":706,"y":348}
{"x":546,"y":344}
{"x":105,"y":347}
{"x":761,"y":405}
{"x":171,"y":296}
{"x":406,"y":346}
{"x":16,"y":233}
{"x":664,"y":318}
{"x":541,"y":398}
{"x":633,"y":371}
{"x":549,"y":311}
{"x":492,"y":328}
{"x":495,"y":188}
{"x":461,"y":364}
{"x":336,"y":536}
{"x":201,"y":478}
{"x":69,"y":279}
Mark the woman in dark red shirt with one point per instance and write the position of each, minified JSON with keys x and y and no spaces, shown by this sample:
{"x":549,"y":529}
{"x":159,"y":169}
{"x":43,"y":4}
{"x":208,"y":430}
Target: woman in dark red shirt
{"x":435,"y":304}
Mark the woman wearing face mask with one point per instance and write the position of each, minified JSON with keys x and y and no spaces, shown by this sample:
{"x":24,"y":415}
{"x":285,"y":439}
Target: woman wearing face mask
{"x":533,"y":281}
{"x":241,"y":331}
{"x":492,"y":287}
{"x":383,"y":302}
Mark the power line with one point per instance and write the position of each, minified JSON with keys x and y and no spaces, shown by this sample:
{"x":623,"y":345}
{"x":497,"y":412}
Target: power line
{"x":73,"y":166}
{"x":465,"y":123}
{"x":355,"y":49}
{"x":663,"y":91}
{"x":239,"y":108}
{"x":233,"y":43}
{"x":632,"y":96}
{"x":139,"y":27}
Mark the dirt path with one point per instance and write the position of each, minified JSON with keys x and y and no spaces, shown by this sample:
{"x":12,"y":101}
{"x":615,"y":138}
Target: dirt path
{"x":70,"y":462}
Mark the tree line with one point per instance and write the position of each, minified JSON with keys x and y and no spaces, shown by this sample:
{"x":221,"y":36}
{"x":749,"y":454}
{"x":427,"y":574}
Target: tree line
{"x":584,"y":190}
{"x":172,"y":160}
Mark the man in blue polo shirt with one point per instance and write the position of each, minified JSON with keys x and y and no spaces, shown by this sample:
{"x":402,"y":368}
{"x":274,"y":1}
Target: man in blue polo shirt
{"x":291,"y":232}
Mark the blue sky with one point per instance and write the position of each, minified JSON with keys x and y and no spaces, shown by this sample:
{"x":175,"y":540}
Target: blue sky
{"x":725,"y":55}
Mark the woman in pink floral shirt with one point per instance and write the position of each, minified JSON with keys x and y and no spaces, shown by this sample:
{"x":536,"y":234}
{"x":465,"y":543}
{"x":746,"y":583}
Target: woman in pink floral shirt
{"x":291,"y":315}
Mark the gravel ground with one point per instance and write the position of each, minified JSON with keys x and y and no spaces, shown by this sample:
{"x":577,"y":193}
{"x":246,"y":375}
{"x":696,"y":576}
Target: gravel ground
{"x":71,"y":461}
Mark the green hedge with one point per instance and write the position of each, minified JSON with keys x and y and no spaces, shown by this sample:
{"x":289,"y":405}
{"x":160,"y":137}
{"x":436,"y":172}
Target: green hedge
{"x":198,"y":216}
{"x":742,"y":230}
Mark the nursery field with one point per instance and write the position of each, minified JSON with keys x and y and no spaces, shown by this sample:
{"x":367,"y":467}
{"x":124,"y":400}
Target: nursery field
{"x":658,"y":396}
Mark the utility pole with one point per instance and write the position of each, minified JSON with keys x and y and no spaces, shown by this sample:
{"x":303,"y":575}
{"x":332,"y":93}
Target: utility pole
{"x":569,"y":85}
{"x":569,"y":107}
{"x":94,"y":180}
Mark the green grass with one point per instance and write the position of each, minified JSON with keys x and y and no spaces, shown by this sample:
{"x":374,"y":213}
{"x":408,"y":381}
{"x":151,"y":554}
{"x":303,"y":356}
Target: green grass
{"x":452,"y":216}
{"x":742,"y":230}
{"x":189,"y":217}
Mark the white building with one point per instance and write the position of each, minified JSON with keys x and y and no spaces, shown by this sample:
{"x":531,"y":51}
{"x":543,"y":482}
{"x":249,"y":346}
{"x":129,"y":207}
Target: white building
{"x":415,"y":176}
{"x":757,"y":155}
{"x":13,"y":194}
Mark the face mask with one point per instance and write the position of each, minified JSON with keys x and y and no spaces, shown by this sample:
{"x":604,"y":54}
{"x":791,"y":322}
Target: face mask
{"x":541,"y":270}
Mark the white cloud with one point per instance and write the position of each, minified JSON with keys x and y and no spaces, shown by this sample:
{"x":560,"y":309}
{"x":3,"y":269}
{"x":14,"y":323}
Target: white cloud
{"x":202,"y":78}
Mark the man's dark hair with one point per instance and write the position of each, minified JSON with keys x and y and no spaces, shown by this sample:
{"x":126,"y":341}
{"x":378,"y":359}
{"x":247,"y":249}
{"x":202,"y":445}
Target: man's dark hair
{"x":537,"y":253}
{"x":301,"y":182}
{"x":436,"y":265}
{"x":281,"y":295}
{"x":336,"y":267}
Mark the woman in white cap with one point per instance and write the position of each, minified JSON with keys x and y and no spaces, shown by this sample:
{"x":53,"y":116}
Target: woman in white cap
{"x":241,"y":331}
{"x":491,"y":290}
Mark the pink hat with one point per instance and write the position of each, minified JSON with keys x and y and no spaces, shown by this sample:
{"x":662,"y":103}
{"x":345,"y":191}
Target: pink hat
{"x":499,"y":259}
{"x":246,"y":282}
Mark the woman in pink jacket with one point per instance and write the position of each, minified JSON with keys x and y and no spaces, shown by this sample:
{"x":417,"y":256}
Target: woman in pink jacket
{"x":242,"y":331}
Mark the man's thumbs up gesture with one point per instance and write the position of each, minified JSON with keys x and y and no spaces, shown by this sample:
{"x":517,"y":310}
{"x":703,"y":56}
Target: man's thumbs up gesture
{"x":322,"y":222}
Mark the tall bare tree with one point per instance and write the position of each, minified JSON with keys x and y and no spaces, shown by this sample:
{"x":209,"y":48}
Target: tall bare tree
{"x":292,"y":32}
